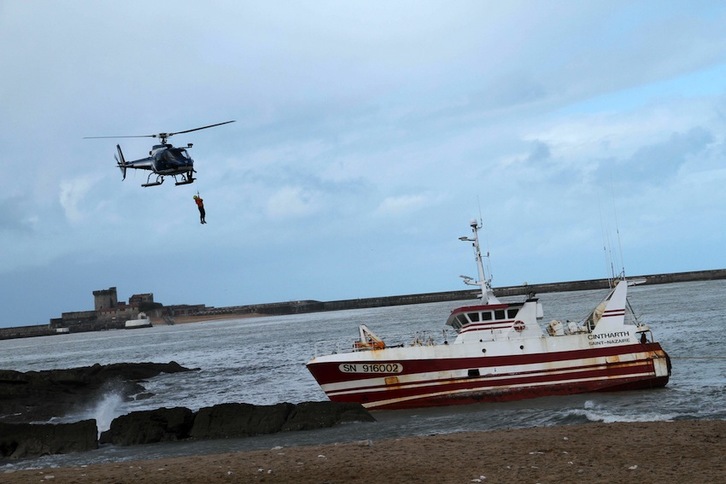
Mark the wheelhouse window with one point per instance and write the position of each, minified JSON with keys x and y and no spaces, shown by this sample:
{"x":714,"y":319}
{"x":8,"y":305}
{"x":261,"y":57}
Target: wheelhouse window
{"x":512,"y":313}
{"x":486,"y":315}
{"x":499,"y":314}
{"x":474,"y":317}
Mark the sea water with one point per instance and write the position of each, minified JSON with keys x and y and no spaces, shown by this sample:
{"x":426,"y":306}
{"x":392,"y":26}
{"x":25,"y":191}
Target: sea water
{"x":262,"y":361}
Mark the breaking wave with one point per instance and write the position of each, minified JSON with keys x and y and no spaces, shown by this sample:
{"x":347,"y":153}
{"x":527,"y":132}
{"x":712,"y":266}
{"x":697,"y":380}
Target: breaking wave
{"x":599,"y":412}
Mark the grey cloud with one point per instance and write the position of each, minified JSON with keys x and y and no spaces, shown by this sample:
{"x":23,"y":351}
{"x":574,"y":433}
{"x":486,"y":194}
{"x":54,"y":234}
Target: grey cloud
{"x":661,"y":161}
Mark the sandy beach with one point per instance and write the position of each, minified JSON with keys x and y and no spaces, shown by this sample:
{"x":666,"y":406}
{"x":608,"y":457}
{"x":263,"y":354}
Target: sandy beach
{"x":683,"y":451}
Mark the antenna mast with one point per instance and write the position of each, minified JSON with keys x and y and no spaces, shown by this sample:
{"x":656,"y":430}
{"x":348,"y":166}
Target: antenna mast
{"x":487,"y":294}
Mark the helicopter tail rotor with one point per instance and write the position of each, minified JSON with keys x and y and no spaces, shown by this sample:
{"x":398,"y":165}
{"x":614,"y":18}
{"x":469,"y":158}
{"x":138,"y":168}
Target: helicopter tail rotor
{"x":121,"y":161}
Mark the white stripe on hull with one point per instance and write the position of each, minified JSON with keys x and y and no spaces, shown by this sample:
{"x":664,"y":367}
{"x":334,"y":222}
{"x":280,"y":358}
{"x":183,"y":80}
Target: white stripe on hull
{"x":434,"y":384}
{"x":495,"y":373}
{"x":499,"y":389}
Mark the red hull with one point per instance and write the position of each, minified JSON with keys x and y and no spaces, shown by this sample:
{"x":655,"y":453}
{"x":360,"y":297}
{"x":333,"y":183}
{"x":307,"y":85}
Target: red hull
{"x":510,"y":395}
{"x":602,"y":372}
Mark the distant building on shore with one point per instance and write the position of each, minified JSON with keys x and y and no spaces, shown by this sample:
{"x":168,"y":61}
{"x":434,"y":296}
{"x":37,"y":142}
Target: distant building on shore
{"x":108,"y":312}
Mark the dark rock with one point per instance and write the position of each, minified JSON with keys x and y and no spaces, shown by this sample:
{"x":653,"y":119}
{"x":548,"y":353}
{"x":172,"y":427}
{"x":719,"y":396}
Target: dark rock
{"x":146,"y":427}
{"x":41,"y":395}
{"x":244,"y":420}
{"x":19,"y":440}
{"x":168,"y":424}
{"x":137,"y":371}
{"x":317,"y":415}
{"x":239,"y":420}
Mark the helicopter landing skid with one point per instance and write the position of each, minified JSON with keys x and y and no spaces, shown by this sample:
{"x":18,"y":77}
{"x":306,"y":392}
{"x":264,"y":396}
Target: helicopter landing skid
{"x":185,"y":180}
{"x":159,"y":181}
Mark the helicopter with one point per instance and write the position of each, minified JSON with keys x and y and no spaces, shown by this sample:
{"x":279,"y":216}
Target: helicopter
{"x":163,"y":160}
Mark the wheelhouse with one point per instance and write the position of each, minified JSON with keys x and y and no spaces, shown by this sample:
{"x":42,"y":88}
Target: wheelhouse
{"x":484,"y":316}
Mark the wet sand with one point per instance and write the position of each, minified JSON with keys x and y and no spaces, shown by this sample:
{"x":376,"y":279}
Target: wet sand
{"x":683,"y":451}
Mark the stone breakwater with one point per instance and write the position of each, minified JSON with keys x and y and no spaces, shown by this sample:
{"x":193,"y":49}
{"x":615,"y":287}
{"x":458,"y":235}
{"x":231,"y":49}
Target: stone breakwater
{"x":205,"y":313}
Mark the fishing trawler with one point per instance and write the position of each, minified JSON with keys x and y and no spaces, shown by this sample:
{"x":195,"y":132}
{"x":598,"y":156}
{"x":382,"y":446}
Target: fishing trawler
{"x":500,"y":353}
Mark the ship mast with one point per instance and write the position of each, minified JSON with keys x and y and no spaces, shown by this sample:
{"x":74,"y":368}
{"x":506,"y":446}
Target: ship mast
{"x":487,"y":294}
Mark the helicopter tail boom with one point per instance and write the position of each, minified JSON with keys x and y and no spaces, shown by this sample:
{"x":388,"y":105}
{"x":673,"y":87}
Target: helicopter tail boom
{"x":121,"y":161}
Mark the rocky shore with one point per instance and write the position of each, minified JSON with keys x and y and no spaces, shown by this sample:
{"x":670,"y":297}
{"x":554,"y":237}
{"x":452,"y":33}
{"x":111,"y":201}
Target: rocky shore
{"x":29,"y":400}
{"x":40,"y":395}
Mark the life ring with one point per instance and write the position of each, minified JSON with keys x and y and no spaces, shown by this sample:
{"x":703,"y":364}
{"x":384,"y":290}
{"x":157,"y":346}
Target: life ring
{"x":518,"y":326}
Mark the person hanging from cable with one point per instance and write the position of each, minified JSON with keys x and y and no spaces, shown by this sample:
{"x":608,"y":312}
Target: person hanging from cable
{"x":200,"y":206}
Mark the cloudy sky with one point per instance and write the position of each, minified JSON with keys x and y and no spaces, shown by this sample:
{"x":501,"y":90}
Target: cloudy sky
{"x":368,"y":134}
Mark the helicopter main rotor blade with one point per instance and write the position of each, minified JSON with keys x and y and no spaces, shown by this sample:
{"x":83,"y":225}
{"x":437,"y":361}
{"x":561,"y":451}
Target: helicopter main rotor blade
{"x":132,"y":136}
{"x":197,"y":129}
{"x":162,"y":136}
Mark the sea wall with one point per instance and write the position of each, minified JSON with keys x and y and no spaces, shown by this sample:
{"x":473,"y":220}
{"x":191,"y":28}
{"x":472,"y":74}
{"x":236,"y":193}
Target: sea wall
{"x":200,"y":312}
{"x":523,"y":289}
{"x":309,"y":306}
{"x":374,"y":302}
{"x":605,"y":283}
{"x":26,"y":331}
